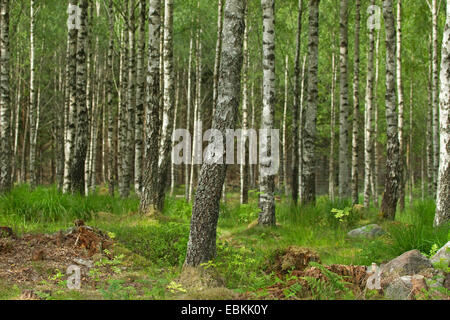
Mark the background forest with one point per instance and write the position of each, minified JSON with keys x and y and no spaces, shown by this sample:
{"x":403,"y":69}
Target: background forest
{"x":93,"y":89}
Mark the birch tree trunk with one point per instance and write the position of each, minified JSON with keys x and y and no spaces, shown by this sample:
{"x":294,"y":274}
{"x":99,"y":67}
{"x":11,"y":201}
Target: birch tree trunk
{"x":375,"y":132}
{"x":244,"y":138}
{"x":356,"y":115}
{"x":368,"y":145}
{"x":202,"y":238}
{"x":434,"y":92}
{"x":150,"y":177}
{"x":429,"y":138}
{"x":168,"y":111}
{"x":218,"y":50}
{"x":32,"y":108}
{"x":140,"y":90}
{"x":331,"y":176}
{"x":401,"y":187}
{"x":301,"y":185}
{"x":410,"y":157}
{"x":81,"y":140}
{"x":172,"y":164}
{"x":390,"y":196}
{"x":267,"y":181}
{"x":344,"y":167}
{"x":5,"y":103}
{"x":109,"y":89}
{"x":443,"y":192}
{"x":296,"y":107}
{"x":309,"y":131}
{"x":187,"y":180}
{"x":285,"y":148}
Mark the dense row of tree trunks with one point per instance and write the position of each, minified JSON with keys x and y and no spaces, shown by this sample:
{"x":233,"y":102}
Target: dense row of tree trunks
{"x":202,"y":238}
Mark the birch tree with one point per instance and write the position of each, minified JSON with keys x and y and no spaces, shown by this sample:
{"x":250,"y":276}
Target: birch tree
{"x":109,"y":89}
{"x":443,"y":192}
{"x":267,"y":181}
{"x":309,"y":130}
{"x":344,"y":167}
{"x":32,"y":107}
{"x":5,"y":105}
{"x":390,"y":196}
{"x":150,"y":177}
{"x":244,"y":150}
{"x":202,"y":238}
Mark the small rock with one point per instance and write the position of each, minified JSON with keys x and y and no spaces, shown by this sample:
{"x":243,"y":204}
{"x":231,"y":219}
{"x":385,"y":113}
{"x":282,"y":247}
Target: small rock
{"x":399,"y":289}
{"x":38,"y":255}
{"x":409,"y":263}
{"x":443,"y":255}
{"x":84,"y":262}
{"x":369,"y":231}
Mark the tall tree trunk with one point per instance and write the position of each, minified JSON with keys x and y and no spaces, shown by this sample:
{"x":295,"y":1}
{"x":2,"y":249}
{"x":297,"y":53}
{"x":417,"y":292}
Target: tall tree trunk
{"x":309,"y":131}
{"x":244,"y":149}
{"x":267,"y":181}
{"x":301,"y":185}
{"x":331,"y":176}
{"x":140,"y":90}
{"x":81,"y":140}
{"x":390,"y":196}
{"x":401,"y":187}
{"x":168,"y":111}
{"x":202,"y":238}
{"x":284,"y":144}
{"x":109,"y":89}
{"x":410,"y":153}
{"x":32,"y":108}
{"x":344,"y":166}
{"x":429,"y":138}
{"x":217,"y":56}
{"x":177,"y":101}
{"x":150,"y":177}
{"x":443,"y":192}
{"x":376,"y":154}
{"x":434,"y":92}
{"x":296,"y":107}
{"x":5,"y":103}
{"x":356,"y":115}
{"x":187,"y":180}
{"x":368,"y":145}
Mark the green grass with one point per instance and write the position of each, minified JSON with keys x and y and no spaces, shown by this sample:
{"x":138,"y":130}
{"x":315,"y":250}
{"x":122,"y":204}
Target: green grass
{"x":243,"y":248}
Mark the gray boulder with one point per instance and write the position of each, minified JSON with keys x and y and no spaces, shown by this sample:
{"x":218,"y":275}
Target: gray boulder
{"x":407,"y":264}
{"x":399,"y":289}
{"x":443,"y":255}
{"x":370,"y":231}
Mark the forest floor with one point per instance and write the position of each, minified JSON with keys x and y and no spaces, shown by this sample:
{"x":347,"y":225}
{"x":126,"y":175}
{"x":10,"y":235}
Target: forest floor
{"x":123,"y":255}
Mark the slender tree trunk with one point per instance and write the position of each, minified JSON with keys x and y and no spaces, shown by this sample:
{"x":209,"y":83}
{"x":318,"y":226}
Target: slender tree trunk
{"x":168,"y":111}
{"x":301,"y":185}
{"x":267,"y":185}
{"x":376,"y":154}
{"x":5,"y":103}
{"x":309,"y":131}
{"x":434,"y":92}
{"x":356,"y":113}
{"x":401,"y":188}
{"x":172,"y":164}
{"x":81,"y":141}
{"x":217,"y":56}
{"x":368,"y":145}
{"x":202,"y":238}
{"x":443,"y":192}
{"x":429,"y":139}
{"x":390,"y":196}
{"x":331,"y":176}
{"x":187,"y":180}
{"x":32,"y":108}
{"x":150,"y":177}
{"x":285,"y":146}
{"x":344,"y":166}
{"x":410,"y":151}
{"x":244,"y":149}
{"x":296,"y":107}
{"x":109,"y":89}
{"x":140,"y":90}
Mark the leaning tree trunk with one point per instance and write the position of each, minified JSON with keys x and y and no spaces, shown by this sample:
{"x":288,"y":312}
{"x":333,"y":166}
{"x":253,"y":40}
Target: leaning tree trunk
{"x":401,"y":187}
{"x":140,"y":90}
{"x":443,"y":192}
{"x":5,"y":105}
{"x":309,"y":130}
{"x":344,"y":167}
{"x":202,"y":238}
{"x":296,"y":107}
{"x":169,"y":95}
{"x":267,"y":181}
{"x":368,"y":145}
{"x":355,"y":144}
{"x":150,"y":176}
{"x":390,"y":196}
{"x":81,"y":138}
